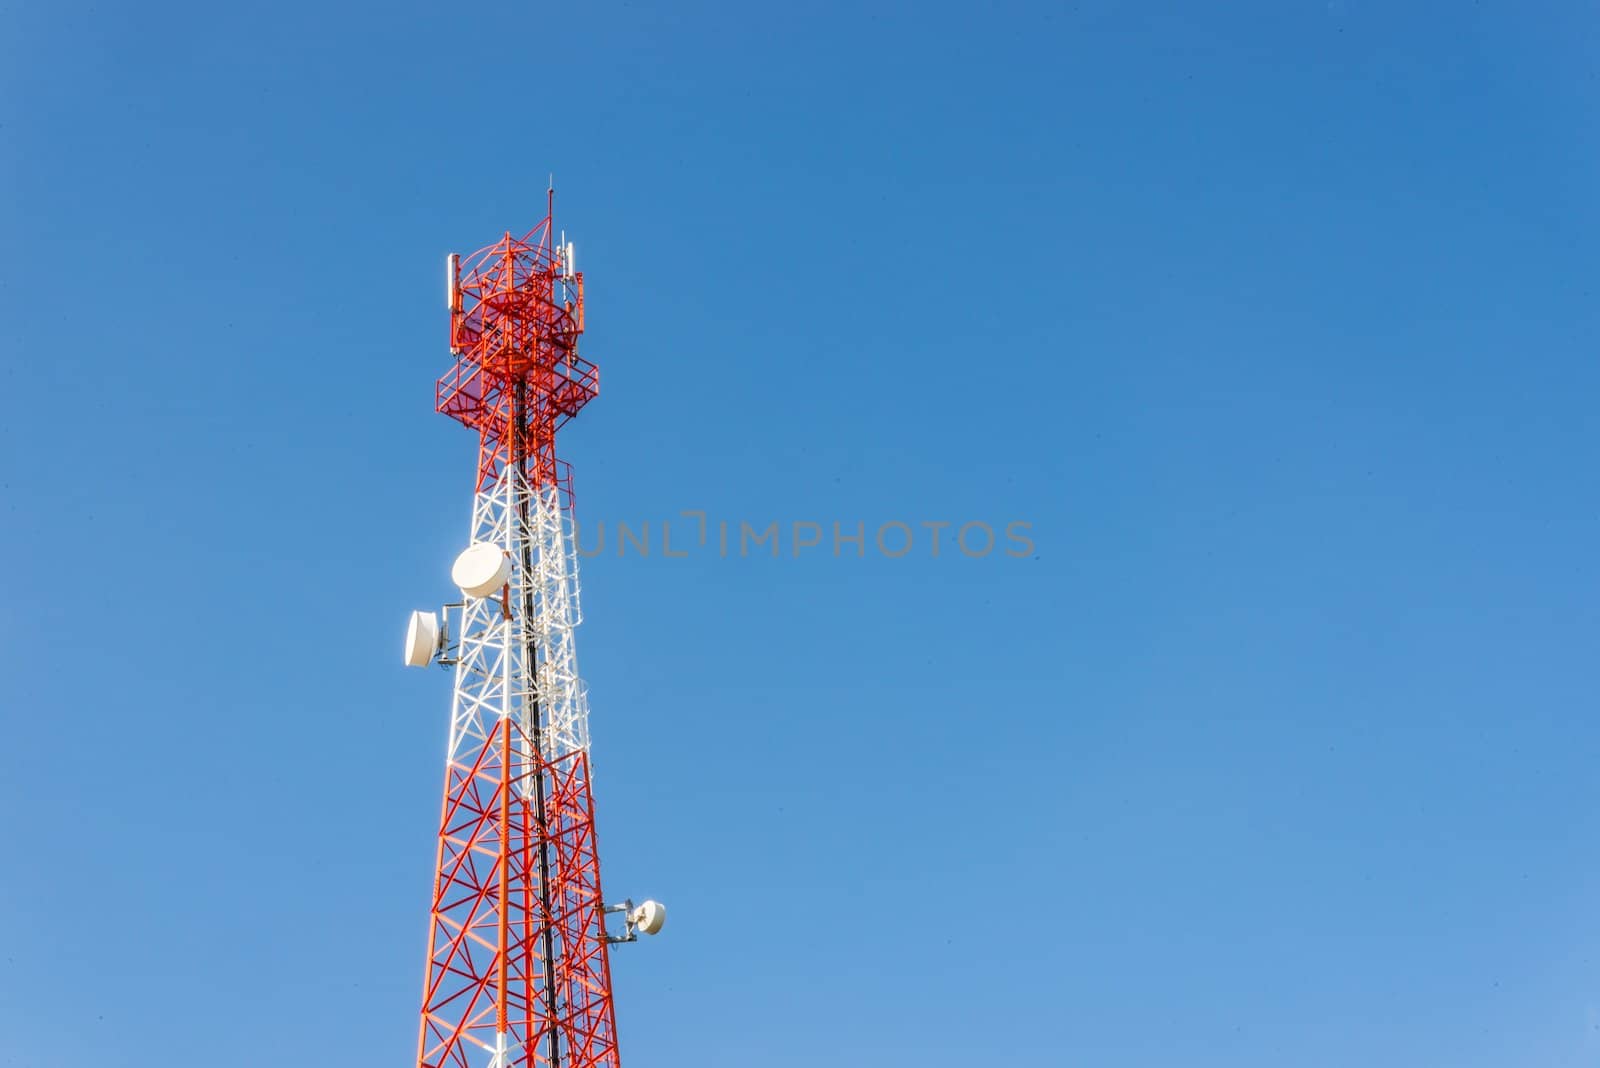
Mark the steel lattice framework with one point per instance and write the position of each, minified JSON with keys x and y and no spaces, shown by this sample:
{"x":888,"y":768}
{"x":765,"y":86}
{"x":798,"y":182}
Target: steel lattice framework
{"x":518,"y":970}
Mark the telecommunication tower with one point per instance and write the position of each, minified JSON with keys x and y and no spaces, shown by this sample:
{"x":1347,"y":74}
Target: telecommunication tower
{"x":518,"y":970}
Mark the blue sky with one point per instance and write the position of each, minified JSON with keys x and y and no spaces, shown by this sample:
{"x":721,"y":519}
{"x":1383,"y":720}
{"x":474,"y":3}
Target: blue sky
{"x":1276,"y":323}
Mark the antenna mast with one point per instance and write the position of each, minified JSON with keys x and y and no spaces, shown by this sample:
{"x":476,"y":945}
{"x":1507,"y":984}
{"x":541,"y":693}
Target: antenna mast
{"x":518,"y":969}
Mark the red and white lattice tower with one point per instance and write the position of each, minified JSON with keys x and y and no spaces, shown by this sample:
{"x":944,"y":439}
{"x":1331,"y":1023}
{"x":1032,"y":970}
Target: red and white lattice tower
{"x":518,"y":969}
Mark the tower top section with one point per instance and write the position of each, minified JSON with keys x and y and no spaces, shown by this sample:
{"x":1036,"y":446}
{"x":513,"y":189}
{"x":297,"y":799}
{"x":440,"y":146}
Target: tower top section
{"x":516,"y":313}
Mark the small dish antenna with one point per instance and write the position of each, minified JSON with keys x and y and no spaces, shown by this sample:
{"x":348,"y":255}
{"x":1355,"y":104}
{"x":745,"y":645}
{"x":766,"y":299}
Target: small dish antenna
{"x":422,"y":639}
{"x":648,"y":917}
{"x":481,"y":570}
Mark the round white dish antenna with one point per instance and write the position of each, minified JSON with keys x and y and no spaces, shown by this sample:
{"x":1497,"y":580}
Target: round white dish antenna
{"x":422,"y":639}
{"x":481,"y":570}
{"x":649,"y":917}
